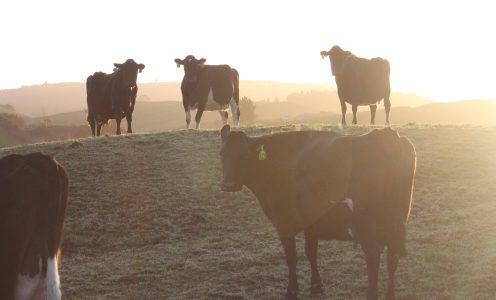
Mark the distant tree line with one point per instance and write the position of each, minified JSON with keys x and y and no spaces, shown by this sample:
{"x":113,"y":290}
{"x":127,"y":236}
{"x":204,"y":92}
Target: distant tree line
{"x":14,"y":130}
{"x":247,"y":109}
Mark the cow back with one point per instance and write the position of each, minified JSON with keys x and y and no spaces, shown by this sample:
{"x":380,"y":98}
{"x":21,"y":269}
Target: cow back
{"x":364,"y":81}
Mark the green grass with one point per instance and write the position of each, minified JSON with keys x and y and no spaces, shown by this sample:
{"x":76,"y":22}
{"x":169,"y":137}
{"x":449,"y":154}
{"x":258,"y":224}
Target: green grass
{"x":146,"y":220}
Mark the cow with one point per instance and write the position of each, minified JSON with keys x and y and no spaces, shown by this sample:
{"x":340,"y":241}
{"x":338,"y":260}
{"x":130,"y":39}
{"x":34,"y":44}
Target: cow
{"x":112,"y":96}
{"x":34,"y":191}
{"x":209,"y":88}
{"x":331,"y":187}
{"x":360,"y":81}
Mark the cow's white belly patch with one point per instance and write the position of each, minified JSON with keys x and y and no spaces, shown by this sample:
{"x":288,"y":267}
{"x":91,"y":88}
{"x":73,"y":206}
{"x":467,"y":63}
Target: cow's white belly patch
{"x":211,"y":105}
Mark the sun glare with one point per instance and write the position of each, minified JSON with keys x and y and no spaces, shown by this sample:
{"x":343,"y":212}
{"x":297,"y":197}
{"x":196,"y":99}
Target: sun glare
{"x":441,"y":50}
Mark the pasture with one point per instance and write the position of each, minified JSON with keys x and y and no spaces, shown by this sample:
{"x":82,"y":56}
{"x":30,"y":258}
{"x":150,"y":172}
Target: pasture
{"x":146,"y":220}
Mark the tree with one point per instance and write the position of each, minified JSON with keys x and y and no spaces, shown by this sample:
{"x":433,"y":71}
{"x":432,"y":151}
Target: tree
{"x":247,"y":110}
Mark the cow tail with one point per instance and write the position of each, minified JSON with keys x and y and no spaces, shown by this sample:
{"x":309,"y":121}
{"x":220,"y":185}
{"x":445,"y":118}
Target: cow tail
{"x":407,"y":165}
{"x":56,"y":201}
{"x":236,"y":88}
{"x":88,"y":98}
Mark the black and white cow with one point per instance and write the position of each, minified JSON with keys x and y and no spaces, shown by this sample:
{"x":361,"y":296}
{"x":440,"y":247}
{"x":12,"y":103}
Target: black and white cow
{"x":209,"y":88}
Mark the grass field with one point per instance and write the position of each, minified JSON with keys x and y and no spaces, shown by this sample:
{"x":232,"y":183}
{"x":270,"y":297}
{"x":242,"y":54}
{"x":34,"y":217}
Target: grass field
{"x":146,"y":220}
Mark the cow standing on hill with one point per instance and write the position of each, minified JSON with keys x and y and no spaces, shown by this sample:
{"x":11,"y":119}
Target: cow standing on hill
{"x":360,"y":81}
{"x":209,"y":88}
{"x":112,"y":96}
{"x":32,"y":209}
{"x":332,"y":187}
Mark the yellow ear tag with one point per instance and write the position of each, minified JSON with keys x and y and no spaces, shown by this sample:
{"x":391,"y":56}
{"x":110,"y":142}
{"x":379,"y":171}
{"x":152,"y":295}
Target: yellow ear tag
{"x":261,"y":153}
{"x":178,"y":65}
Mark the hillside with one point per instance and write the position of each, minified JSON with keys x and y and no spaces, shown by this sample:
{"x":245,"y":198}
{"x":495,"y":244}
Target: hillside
{"x":146,"y":220}
{"x":49,"y":99}
{"x":167,"y":115}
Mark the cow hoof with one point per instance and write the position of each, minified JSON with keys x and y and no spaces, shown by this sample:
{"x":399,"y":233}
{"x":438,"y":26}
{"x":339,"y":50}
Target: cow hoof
{"x":316,"y":289}
{"x":292,"y":294}
{"x":129,"y":131}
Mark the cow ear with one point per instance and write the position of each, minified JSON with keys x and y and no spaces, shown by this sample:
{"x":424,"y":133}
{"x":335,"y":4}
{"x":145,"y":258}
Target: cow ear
{"x":225,"y":132}
{"x":118,"y":65}
{"x":141,"y":67}
{"x":324,"y":54}
{"x":178,"y":62}
{"x":201,"y":63}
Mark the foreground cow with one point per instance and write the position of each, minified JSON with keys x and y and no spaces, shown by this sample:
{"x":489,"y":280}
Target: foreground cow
{"x":360,"y":81}
{"x":112,"y":96}
{"x":330,"y":187}
{"x":209,"y":88}
{"x":32,"y":209}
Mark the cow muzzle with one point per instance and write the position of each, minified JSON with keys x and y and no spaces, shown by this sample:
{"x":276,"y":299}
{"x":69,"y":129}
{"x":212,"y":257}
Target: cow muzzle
{"x":230,"y":187}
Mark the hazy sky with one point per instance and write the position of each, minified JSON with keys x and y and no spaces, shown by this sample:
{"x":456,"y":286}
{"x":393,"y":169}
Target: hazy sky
{"x":441,"y":49}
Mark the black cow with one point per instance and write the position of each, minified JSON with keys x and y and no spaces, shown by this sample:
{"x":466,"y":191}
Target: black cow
{"x":32,"y":210}
{"x":332,"y":187}
{"x":112,"y":96}
{"x":209,"y":88}
{"x":360,"y":81}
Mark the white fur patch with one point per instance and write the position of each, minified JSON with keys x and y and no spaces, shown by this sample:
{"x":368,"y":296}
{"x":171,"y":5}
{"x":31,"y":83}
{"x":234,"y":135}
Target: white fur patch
{"x":52,"y":281}
{"x":188,"y":118}
{"x":349,"y":203}
{"x":223,"y":117}
{"x":27,"y":286}
{"x":46,"y":287}
{"x":211,"y":105}
{"x":234,"y":110}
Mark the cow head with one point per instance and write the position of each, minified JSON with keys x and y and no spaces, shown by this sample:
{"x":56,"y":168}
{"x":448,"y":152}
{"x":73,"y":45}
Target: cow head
{"x":337,"y":56}
{"x":129,"y":71}
{"x":191,"y":66}
{"x":235,"y":157}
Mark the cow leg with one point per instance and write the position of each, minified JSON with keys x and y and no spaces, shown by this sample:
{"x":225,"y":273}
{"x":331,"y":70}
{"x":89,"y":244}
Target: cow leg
{"x":98,"y":128}
{"x":354,"y":108}
{"x":387,"y":107}
{"x":343,"y":112}
{"x":372,"y":256}
{"x":91,"y":121}
{"x":235,"y":112}
{"x":311,"y":246}
{"x":129,"y":119}
{"x":188,"y":117}
{"x":199,"y":113}
{"x":224,"y":116}
{"x":289,"y":245}
{"x":373,"y":109}
{"x":392,"y":265}
{"x":118,"y":118}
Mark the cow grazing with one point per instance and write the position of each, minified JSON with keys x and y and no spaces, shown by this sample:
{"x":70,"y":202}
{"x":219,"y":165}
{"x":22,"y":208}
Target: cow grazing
{"x":209,"y":88}
{"x":360,"y":81}
{"x":330,"y":186}
{"x":112,"y":96}
{"x":32,"y":209}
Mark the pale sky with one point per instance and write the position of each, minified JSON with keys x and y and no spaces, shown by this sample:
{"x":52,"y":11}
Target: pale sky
{"x":445,"y":50}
